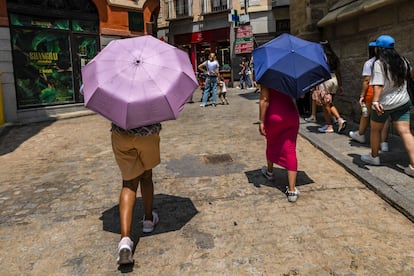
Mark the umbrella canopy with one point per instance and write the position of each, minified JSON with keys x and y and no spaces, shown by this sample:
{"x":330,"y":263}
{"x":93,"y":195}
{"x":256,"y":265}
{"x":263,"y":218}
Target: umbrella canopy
{"x":138,"y":81}
{"x":290,"y":65}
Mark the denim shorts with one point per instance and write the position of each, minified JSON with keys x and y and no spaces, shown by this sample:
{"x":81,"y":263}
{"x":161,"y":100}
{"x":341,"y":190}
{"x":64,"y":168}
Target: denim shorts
{"x":401,"y":113}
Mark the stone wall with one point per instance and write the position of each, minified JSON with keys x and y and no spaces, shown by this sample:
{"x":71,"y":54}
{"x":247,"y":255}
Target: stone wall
{"x":350,"y":40}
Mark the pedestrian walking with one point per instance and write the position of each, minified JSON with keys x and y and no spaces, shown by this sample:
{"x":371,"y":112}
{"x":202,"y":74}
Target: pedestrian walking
{"x":391,"y":99}
{"x":223,"y":91}
{"x":313,"y":108}
{"x":137,"y":152}
{"x":210,"y":68}
{"x":365,"y":102}
{"x":279,"y":123}
{"x":244,"y":75}
{"x":252,"y":75}
{"x":324,"y":93}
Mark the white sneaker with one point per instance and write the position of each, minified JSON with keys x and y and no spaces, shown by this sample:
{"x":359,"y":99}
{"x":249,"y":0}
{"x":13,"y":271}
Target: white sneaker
{"x":341,"y":125}
{"x":370,"y":160}
{"x":148,"y":225}
{"x":384,"y":147}
{"x":292,"y":196}
{"x":357,"y":137}
{"x":409,"y":170}
{"x":125,"y":251}
{"x":267,"y":174}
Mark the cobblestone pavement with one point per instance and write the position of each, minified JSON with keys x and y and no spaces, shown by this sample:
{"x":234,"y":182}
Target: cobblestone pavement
{"x":59,"y":188}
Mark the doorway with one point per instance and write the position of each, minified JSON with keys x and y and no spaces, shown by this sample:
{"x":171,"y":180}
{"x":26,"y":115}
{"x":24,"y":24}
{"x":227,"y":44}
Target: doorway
{"x":84,"y":49}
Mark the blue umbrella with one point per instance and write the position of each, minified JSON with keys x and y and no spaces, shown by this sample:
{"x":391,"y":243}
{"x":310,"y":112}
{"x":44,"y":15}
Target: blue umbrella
{"x":290,"y":64}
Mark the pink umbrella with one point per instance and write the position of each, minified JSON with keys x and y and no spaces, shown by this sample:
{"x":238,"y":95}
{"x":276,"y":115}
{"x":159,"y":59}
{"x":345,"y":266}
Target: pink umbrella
{"x":138,"y":81}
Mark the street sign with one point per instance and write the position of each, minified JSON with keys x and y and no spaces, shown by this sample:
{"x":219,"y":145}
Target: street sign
{"x":244,"y":40}
{"x":243,"y":48}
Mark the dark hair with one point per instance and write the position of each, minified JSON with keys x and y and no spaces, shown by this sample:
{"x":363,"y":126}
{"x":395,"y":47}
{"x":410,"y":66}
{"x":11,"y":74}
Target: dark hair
{"x":392,"y":63}
{"x":371,"y":52}
{"x":332,"y":58}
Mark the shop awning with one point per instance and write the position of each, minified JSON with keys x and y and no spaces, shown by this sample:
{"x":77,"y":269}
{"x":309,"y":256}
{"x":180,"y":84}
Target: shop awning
{"x":346,"y":9}
{"x":198,"y":37}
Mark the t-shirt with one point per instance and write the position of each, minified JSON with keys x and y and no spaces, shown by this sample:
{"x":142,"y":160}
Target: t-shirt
{"x":391,"y":96}
{"x":223,"y":87}
{"x":367,"y":69}
{"x":211,"y":67}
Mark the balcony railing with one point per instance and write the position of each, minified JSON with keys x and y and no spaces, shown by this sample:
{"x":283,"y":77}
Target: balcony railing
{"x":212,"y":6}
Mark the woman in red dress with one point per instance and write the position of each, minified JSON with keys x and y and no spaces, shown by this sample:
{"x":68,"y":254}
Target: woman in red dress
{"x":279,"y":123}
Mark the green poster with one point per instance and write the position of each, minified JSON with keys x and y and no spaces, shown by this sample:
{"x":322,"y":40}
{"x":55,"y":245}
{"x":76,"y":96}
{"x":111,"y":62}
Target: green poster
{"x":43,"y":68}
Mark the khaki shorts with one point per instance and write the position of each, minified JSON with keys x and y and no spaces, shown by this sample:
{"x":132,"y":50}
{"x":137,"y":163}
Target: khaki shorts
{"x":331,"y":85}
{"x":135,"y":154}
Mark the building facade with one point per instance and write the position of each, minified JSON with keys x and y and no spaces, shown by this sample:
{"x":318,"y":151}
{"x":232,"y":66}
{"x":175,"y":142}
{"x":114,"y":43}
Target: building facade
{"x":229,"y":28}
{"x":42,"y":53}
{"x":349,"y":25}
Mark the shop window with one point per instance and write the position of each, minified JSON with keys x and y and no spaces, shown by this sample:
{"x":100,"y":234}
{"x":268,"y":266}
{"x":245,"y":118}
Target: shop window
{"x":46,"y":69}
{"x":43,"y":67}
{"x":38,"y":22}
{"x":85,"y":26}
{"x":136,"y":21}
{"x":282,"y":26}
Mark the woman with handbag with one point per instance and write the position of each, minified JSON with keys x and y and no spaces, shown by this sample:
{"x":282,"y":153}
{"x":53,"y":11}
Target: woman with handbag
{"x":391,"y":99}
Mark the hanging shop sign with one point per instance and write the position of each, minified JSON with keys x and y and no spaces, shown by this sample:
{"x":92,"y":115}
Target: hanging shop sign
{"x":244,"y":40}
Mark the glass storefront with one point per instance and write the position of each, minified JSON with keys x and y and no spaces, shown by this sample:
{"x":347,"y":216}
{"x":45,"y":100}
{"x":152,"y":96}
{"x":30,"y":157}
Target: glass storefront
{"x":48,"y":55}
{"x":201,"y":44}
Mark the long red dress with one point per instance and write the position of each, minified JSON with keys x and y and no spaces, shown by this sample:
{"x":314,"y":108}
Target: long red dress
{"x":282,"y":126}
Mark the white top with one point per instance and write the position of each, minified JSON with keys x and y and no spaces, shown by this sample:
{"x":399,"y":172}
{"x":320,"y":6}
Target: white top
{"x":211,"y":67}
{"x":367,"y":70}
{"x":223,"y":87}
{"x":391,"y":96}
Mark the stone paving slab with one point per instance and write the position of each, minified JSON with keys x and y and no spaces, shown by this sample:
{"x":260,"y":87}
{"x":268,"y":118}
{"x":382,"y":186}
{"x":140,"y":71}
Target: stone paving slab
{"x":59,"y":189}
{"x":388,"y":180}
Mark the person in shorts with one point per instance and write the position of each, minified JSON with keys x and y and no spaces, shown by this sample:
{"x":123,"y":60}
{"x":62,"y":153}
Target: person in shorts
{"x":367,"y":94}
{"x":328,"y":89}
{"x":391,"y":99}
{"x":137,"y":152}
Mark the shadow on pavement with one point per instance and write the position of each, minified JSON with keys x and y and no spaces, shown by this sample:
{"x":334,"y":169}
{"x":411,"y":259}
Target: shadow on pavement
{"x":12,"y":137}
{"x":281,"y":179}
{"x":251,"y":95}
{"x":393,"y":160}
{"x":174,"y":213}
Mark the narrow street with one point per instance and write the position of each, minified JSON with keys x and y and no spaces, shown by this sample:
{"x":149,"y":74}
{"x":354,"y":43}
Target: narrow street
{"x":59,"y":188}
